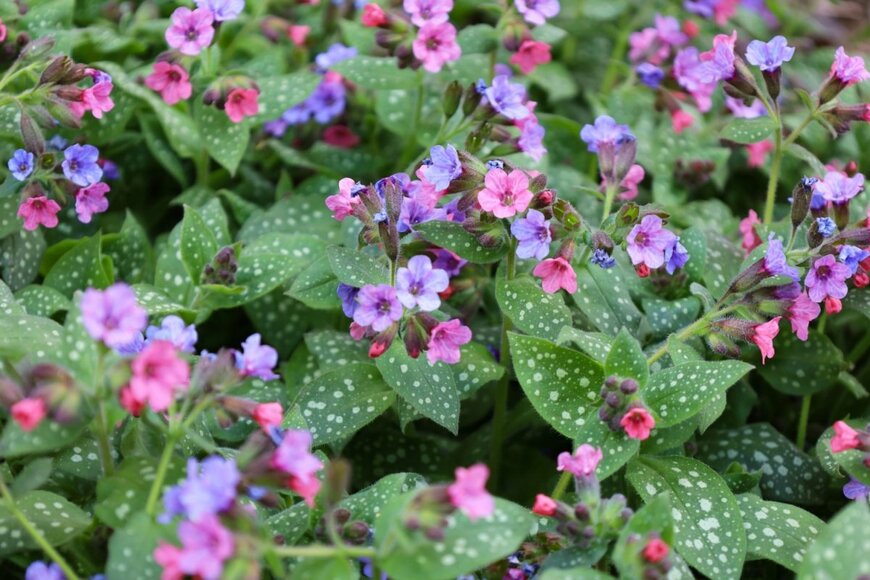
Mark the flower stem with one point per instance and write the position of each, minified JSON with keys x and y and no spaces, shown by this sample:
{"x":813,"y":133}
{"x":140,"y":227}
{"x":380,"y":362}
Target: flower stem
{"x":322,"y":551}
{"x":160,"y":476}
{"x":102,"y":434}
{"x":683,"y":334}
{"x":801,"y":439}
{"x":561,"y":485}
{"x":34,"y":533}
{"x":609,"y":196}
{"x":774,"y":176}
{"x":499,"y":416}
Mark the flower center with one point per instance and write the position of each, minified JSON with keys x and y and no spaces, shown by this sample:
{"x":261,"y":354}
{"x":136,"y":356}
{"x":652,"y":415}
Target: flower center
{"x":640,"y":239}
{"x":385,"y":306}
{"x":823,"y":272}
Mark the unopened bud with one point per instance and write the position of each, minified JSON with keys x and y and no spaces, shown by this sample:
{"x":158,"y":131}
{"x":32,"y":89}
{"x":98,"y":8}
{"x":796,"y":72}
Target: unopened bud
{"x":55,"y":70}
{"x":452,"y":98}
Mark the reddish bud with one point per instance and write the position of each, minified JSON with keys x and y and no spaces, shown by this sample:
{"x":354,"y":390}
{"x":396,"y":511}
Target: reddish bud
{"x":642,"y":270}
{"x":446,"y":294}
{"x":545,"y":505}
{"x":377,"y":349}
{"x":655,"y":551}
{"x":851,"y":169}
{"x":691,"y":28}
{"x":861,"y":279}
{"x":130,"y":403}
{"x":374,"y":16}
{"x":833,"y":305}
{"x":268,"y":415}
{"x":29,"y":413}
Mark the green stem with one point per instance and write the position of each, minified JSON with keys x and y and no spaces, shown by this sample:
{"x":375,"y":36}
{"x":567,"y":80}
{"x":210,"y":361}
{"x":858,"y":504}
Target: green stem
{"x":31,"y":530}
{"x":858,"y":351}
{"x":499,"y":416}
{"x":793,"y":136}
{"x":682,"y":335}
{"x":801,"y":439}
{"x":160,"y":476}
{"x":617,"y":55}
{"x":105,"y":447}
{"x":561,"y":485}
{"x":322,"y":551}
{"x":411,"y":140}
{"x":774,"y":176}
{"x":609,"y":196}
{"x":202,"y":167}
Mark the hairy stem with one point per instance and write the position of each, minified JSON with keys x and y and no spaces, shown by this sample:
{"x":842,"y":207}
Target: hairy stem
{"x":801,"y":439}
{"x":322,"y":551}
{"x":775,"y":167}
{"x":102,"y":434}
{"x":160,"y":476}
{"x":501,"y":394}
{"x":561,"y":485}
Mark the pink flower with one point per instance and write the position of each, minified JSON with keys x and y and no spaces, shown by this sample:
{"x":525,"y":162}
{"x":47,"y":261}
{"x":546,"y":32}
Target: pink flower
{"x":341,"y":205}
{"x":158,"y":373}
{"x":655,"y":551}
{"x":849,"y":70}
{"x":373,"y":16}
{"x":205,"y":546}
{"x":242,"y":103}
{"x":91,"y":200}
{"x":751,"y":239}
{"x":191,"y":30}
{"x":38,"y":210}
{"x":763,"y":335}
{"x":171,"y":81}
{"x":681,"y":120}
{"x":268,"y":415}
{"x":545,"y":505}
{"x":468,"y":493}
{"x":583,"y":463}
{"x":298,"y":34}
{"x":801,"y":312}
{"x":436,"y":45}
{"x":758,"y":152}
{"x":637,"y":423}
{"x":29,"y":413}
{"x":629,"y":183}
{"x":3,"y":31}
{"x":505,"y":194}
{"x":293,"y":457}
{"x":845,"y":438}
{"x":556,"y":273}
{"x":445,"y":340}
{"x":97,"y":99}
{"x":530,"y":54}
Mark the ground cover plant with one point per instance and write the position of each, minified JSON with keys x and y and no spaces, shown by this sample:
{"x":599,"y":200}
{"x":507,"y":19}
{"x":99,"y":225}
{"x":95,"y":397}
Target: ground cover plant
{"x":433,"y":289}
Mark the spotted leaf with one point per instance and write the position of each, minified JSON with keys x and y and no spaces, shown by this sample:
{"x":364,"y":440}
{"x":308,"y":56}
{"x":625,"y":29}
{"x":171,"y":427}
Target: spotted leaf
{"x":452,"y":236}
{"x":777,"y":531}
{"x":626,"y":359}
{"x":54,"y":517}
{"x":531,"y":309}
{"x":841,"y":549}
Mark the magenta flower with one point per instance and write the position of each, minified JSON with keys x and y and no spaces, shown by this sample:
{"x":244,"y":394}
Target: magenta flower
{"x":537,"y":11}
{"x":763,"y":335}
{"x":690,"y":73}
{"x":436,"y":45}
{"x":171,"y":81}
{"x":533,"y":233}
{"x":190,"y":31}
{"x":242,"y":103}
{"x":530,"y":54}
{"x":29,"y":413}
{"x":256,"y":359}
{"x":113,"y":315}
{"x":648,"y":241}
{"x":158,"y":374}
{"x":505,"y":195}
{"x":637,"y":423}
{"x":507,"y":98}
{"x":556,"y":274}
{"x":827,"y":277}
{"x":839,"y":188}
{"x":96,"y":99}
{"x":605,"y":131}
{"x":38,"y":211}
{"x":91,"y":200}
{"x":377,"y":307}
{"x":801,"y":312}
{"x":342,"y":204}
{"x":205,"y":546}
{"x":293,"y":457}
{"x":849,"y":70}
{"x":769,"y":56}
{"x":445,"y":340}
{"x":418,"y":285}
{"x":845,"y":438}
{"x":468,"y":493}
{"x":424,"y":12}
{"x":583,"y":463}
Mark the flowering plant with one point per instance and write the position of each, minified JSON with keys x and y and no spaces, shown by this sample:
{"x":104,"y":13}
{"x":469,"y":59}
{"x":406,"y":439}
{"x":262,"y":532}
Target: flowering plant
{"x":430,"y":289}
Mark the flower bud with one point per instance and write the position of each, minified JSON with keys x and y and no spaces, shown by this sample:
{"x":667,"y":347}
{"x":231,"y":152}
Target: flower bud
{"x":629,"y":386}
{"x":452,"y":97}
{"x":772,"y":82}
{"x":471,"y":99}
{"x":55,"y":70}
{"x":814,"y":236}
{"x":36,"y":49}
{"x":801,"y":196}
{"x":31,"y":134}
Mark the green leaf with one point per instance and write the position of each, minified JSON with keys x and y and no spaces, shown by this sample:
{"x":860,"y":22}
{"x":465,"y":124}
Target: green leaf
{"x":595,"y":344}
{"x":803,"y":367}
{"x":666,"y":317}
{"x":32,"y":476}
{"x":477,"y":38}
{"x":778,"y":531}
{"x":356,"y":268}
{"x":277,"y":94}
{"x":475,"y":368}
{"x":531,"y":309}
{"x":8,"y":305}
{"x":603,"y":297}
{"x":616,"y":447}
{"x":677,"y":393}
{"x":161,"y":150}
{"x":696,"y":244}
{"x":130,"y":251}
{"x":405,"y":554}
{"x":626,"y":359}
{"x":429,"y":389}
{"x":805,"y":155}
{"x":397,"y":109}
{"x":452,"y":236}
{"x":290,"y":523}
{"x":295,"y":215}
{"x":126,"y":491}
{"x":336,"y":348}
{"x":281,"y":320}
{"x":159,"y":304}
{"x":367,"y":504}
{"x":840,"y":551}
{"x":723,"y":263}
{"x":20,"y":254}
{"x":22,"y":335}
{"x":382,"y":450}
{"x":377,"y":73}
{"x":654,"y":517}
{"x":57,"y":519}
{"x":79,"y":268}
{"x":42,"y":300}
{"x":341,"y":402}
{"x":224,"y":140}
{"x":198,"y":244}
{"x":316,"y":287}
{"x":707,"y":523}
{"x":319,"y":568}
{"x":131,"y":548}
{"x":561,"y":384}
{"x":81,"y":460}
{"x":787,"y":473}
{"x":572,"y":574}
{"x":747,"y":131}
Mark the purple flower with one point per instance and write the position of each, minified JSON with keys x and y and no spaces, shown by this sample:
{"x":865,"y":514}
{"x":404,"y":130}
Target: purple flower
{"x":418,"y":285}
{"x":275,"y":128}
{"x":826,"y":227}
{"x":827,"y":277}
{"x":334,"y":55}
{"x":377,"y":307}
{"x":854,"y":490}
{"x":415,"y":212}
{"x":444,"y":167}
{"x":852,"y":256}
{"x":533,"y":233}
{"x":676,"y":256}
{"x":848,"y":69}
{"x":132,"y":348}
{"x":326,"y":102}
{"x":58,"y":143}
{"x":605,"y":130}
{"x":690,"y":73}
{"x":648,"y":241}
{"x":602,"y":259}
{"x":175,"y":331}
{"x":113,"y":315}
{"x":299,"y":114}
{"x":741,"y":111}
{"x":21,"y":164}
{"x":531,"y":141}
{"x":426,"y":11}
{"x":257,"y":360}
{"x":718,"y":63}
{"x":537,"y":11}
{"x":110,"y":170}
{"x":80,"y":165}
{"x":769,"y":56}
{"x":347,"y":295}
{"x":507,"y":98}
{"x":839,"y":188}
{"x":448,"y":261}
{"x":210,"y":488}
{"x":42,"y":571}
{"x":191,"y":30}
{"x":650,"y":75}
{"x":222,"y":10}
{"x":703,"y":8}
{"x":775,"y":261}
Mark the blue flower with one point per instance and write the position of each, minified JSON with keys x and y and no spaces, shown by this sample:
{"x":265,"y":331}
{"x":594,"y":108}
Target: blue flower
{"x":775,"y":261}
{"x":495,"y":164}
{"x":57,"y":143}
{"x":602,"y":259}
{"x":175,"y":331}
{"x":533,"y":233}
{"x":507,"y":98}
{"x":42,"y":571}
{"x":852,"y":256}
{"x":769,"y":56}
{"x":650,"y":75}
{"x":21,"y":164}
{"x":80,"y":165}
{"x":444,"y":168}
{"x":334,"y":55}
{"x":326,"y":102}
{"x":605,"y":130}
{"x":347,"y":295}
{"x":676,"y":256}
{"x":210,"y":488}
{"x":827,"y":227}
